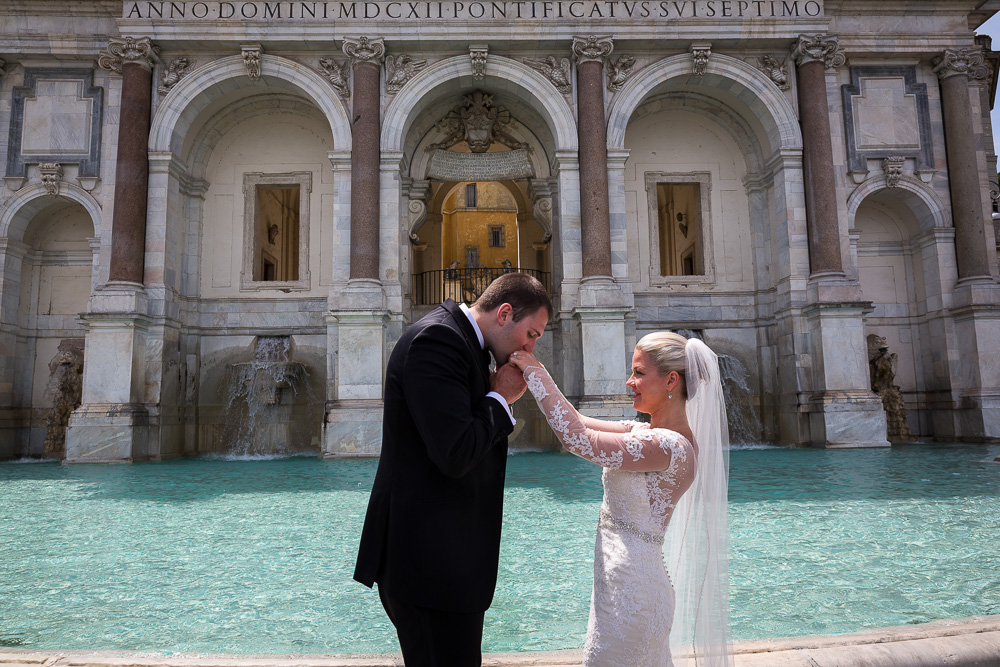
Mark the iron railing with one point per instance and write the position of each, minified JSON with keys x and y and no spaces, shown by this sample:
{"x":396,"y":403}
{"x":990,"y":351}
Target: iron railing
{"x":432,"y":287}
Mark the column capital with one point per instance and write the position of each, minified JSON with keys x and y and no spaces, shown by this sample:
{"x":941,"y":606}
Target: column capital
{"x":364,"y":49}
{"x":961,"y":61}
{"x":128,"y":50}
{"x":592,"y":48}
{"x":825,"y":48}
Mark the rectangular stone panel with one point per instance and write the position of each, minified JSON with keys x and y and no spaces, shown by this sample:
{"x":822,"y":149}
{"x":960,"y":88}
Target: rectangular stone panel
{"x":886,"y":114}
{"x":56,"y":116}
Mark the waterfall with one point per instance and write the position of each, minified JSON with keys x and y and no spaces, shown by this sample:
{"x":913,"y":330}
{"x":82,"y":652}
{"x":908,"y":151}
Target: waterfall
{"x":257,"y":414}
{"x":744,"y":426}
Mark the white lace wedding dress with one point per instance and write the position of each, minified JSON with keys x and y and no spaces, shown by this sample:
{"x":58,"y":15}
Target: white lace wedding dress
{"x":645,"y":472}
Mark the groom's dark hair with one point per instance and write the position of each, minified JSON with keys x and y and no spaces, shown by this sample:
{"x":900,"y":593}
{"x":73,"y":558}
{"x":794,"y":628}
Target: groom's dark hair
{"x":523,"y":292}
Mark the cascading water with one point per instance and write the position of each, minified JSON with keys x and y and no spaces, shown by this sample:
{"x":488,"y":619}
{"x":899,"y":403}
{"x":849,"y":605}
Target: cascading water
{"x":744,"y":426}
{"x":258,"y":394}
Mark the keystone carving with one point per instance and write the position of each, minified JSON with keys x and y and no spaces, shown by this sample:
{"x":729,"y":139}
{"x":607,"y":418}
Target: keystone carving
{"x":700,"y":53}
{"x":478,"y":54}
{"x":893,"y":169}
{"x":51,"y":176}
{"x":251,"y":59}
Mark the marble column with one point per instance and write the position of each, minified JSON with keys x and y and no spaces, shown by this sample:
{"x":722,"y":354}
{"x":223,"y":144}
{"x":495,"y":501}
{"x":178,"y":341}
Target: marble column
{"x":114,"y":423}
{"x":358,"y":318}
{"x":814,"y":54}
{"x":595,"y":218}
{"x":134,"y":60}
{"x":975,"y":375}
{"x":834,"y":405}
{"x":366,"y":57}
{"x":955,"y":69}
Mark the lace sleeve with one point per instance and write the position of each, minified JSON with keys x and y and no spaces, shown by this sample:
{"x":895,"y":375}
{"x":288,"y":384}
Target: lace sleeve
{"x":643,"y":450}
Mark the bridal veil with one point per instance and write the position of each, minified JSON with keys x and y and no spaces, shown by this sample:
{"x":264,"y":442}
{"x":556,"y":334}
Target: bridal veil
{"x":697,"y":539}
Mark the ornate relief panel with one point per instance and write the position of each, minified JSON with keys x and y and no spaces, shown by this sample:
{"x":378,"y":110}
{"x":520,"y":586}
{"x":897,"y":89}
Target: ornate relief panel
{"x":56,"y":118}
{"x":886,"y":114}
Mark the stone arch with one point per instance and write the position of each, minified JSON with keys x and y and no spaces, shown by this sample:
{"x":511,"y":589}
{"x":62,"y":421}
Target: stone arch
{"x":509,"y":74}
{"x":18,"y":211}
{"x":779,"y":123}
{"x":213,"y":131}
{"x":921,"y":200}
{"x":179,"y":109}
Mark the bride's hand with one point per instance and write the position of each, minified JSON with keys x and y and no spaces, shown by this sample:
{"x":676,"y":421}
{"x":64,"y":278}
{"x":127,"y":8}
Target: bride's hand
{"x":521,"y":360}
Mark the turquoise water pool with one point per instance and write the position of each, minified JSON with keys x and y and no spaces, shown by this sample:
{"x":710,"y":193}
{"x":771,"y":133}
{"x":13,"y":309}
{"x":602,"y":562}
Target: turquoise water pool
{"x":256,"y":556}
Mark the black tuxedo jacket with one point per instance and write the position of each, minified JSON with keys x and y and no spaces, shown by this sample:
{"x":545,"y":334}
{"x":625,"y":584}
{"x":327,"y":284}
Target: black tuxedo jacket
{"x":432,"y":532}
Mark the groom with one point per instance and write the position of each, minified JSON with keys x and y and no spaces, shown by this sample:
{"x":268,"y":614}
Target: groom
{"x":431,"y":537}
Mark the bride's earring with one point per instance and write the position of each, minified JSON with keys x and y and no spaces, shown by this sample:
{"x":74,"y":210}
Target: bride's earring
{"x":670,"y":394}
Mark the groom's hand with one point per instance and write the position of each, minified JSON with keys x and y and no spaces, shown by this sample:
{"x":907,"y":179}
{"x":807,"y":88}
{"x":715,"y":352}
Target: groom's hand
{"x":508,"y":382}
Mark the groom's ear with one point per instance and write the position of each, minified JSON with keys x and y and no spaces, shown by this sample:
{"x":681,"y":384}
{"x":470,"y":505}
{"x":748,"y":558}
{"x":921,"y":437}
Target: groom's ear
{"x":504,"y":313}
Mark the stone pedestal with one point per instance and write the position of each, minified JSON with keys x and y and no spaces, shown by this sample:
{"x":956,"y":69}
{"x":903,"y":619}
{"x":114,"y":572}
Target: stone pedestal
{"x":112,"y":424}
{"x":607,"y":353}
{"x":356,"y":328}
{"x":977,"y":332}
{"x":842,"y":410}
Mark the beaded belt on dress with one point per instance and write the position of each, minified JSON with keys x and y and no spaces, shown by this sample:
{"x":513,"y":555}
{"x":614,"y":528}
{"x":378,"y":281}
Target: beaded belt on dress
{"x":609,"y":520}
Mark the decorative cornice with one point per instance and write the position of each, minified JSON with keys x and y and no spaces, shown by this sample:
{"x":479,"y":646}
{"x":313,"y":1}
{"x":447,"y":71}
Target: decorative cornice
{"x":251,"y":58}
{"x":556,"y":70}
{"x":478,"y":54}
{"x":619,"y":71}
{"x":128,"y":50}
{"x":592,"y":48}
{"x":364,"y":49}
{"x":337,"y":74}
{"x":175,"y":71}
{"x":971,"y":62}
{"x":825,"y":48}
{"x":700,"y":53}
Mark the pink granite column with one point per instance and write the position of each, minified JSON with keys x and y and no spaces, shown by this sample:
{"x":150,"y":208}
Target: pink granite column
{"x":134,"y":59}
{"x":814,"y":54}
{"x":366,"y":55}
{"x":955,"y":69}
{"x":595,"y":217}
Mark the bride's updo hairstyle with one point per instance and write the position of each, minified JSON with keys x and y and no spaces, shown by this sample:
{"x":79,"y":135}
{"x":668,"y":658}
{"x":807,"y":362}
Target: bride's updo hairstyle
{"x":667,"y":352}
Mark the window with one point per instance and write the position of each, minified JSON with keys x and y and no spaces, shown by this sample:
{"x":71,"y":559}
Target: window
{"x":470,"y":195}
{"x":276,"y":231}
{"x":678,"y":213}
{"x":497,"y":236}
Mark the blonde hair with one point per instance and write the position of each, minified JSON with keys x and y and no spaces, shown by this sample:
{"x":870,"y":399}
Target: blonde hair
{"x":667,"y":352}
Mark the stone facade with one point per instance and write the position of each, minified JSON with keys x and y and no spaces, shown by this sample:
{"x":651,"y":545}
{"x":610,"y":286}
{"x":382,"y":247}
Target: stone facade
{"x":840,"y":150}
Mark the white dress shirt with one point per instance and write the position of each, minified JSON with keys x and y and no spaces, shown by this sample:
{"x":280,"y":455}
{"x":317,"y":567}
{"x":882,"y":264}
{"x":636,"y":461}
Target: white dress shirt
{"x":482,"y":345}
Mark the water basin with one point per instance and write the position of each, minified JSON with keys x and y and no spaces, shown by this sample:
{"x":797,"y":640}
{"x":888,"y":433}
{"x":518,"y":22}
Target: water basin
{"x":255,"y":556}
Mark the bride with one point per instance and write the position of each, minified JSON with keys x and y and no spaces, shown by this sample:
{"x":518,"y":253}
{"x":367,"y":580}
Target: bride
{"x":670,"y":473}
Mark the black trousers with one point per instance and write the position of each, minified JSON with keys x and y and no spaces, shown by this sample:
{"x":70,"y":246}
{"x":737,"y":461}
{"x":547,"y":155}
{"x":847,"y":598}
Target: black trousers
{"x":431,"y":638}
